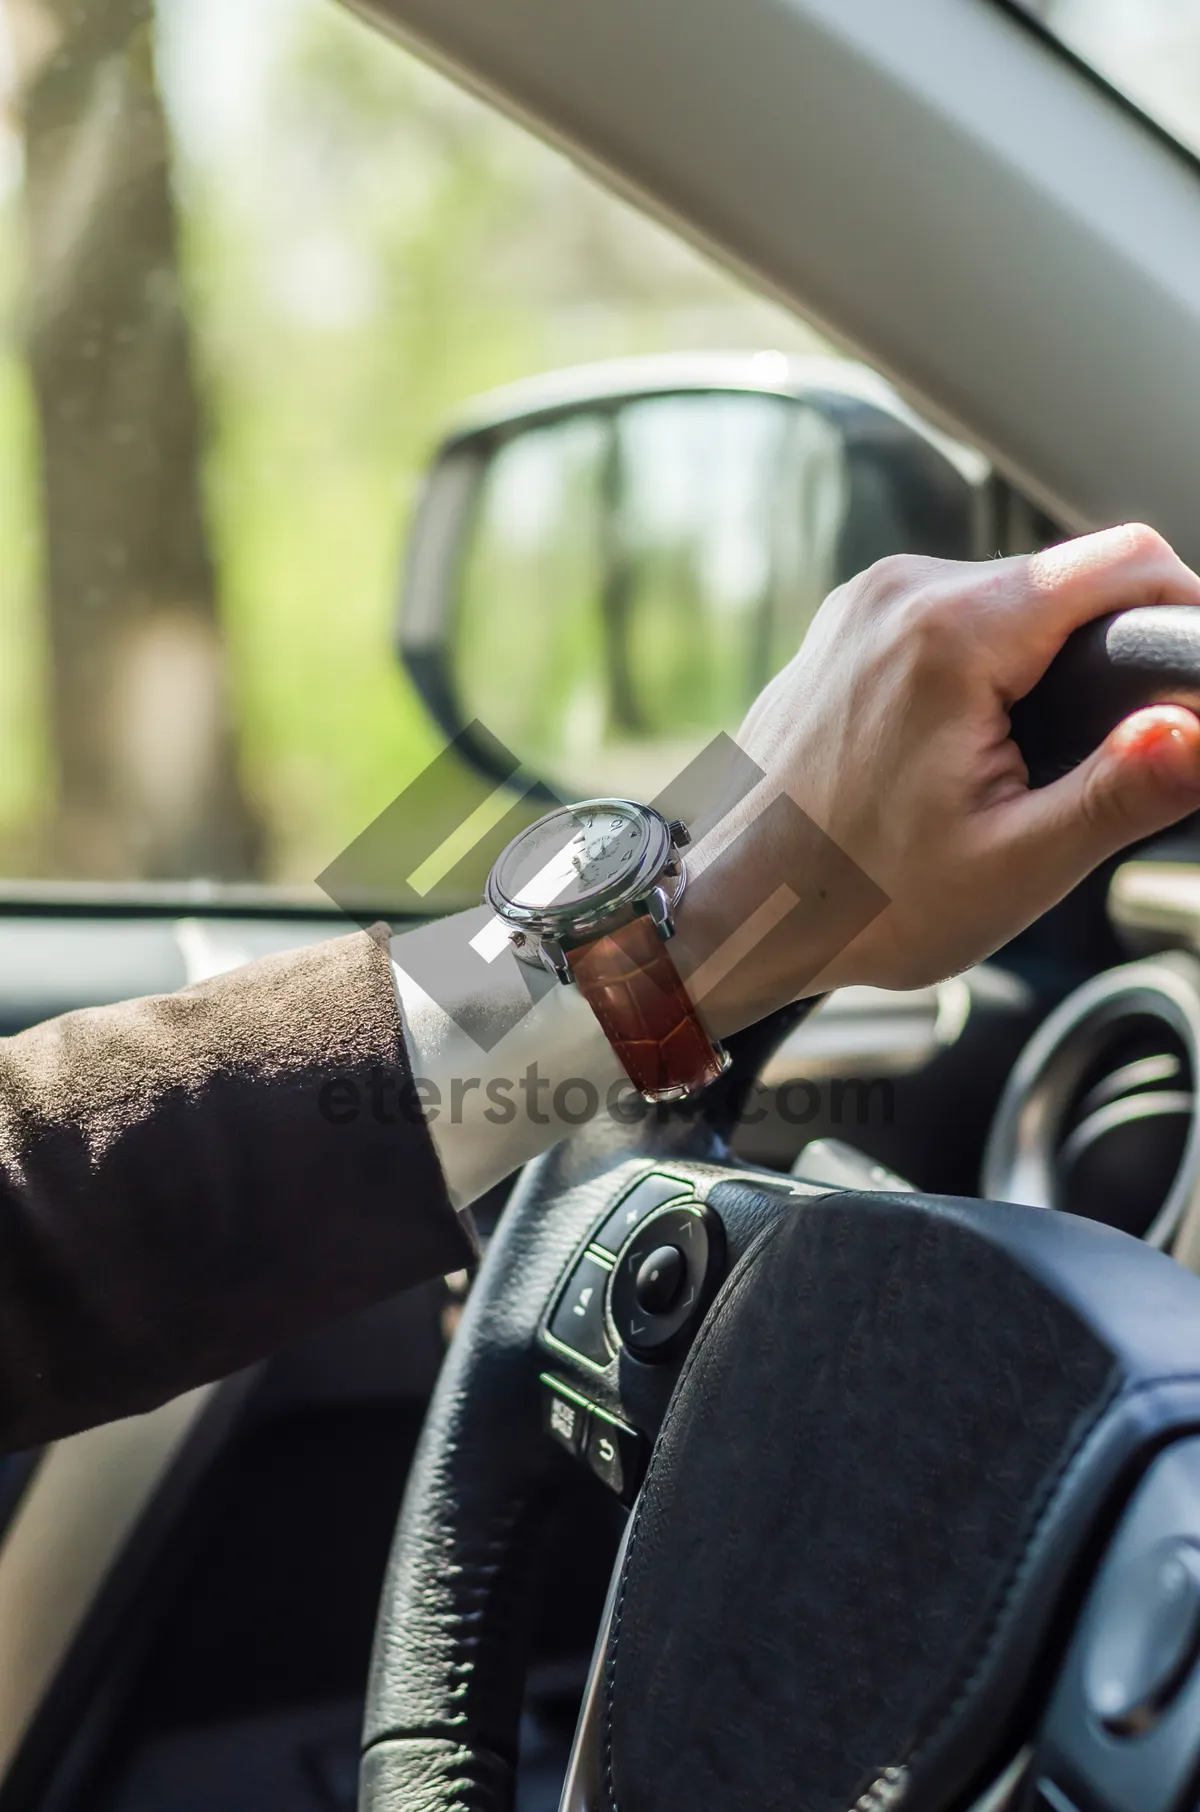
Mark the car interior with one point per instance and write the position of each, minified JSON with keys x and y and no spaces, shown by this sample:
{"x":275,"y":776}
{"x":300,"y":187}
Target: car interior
{"x":895,"y":1501}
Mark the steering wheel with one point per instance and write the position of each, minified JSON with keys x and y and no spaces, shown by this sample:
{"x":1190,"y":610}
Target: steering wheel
{"x":877,"y":1451}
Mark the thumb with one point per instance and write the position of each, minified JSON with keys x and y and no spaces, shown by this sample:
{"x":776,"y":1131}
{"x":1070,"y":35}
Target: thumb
{"x":1144,"y":777}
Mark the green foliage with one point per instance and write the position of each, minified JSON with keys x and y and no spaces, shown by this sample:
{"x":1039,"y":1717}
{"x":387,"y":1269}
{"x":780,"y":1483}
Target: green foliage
{"x":365,"y":248}
{"x":25,"y":758}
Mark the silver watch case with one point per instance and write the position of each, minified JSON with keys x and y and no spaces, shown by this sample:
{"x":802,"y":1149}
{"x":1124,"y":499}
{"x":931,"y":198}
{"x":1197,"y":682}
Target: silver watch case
{"x":542,"y":935}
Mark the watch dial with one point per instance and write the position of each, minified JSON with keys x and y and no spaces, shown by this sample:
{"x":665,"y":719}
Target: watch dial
{"x":573,"y":855}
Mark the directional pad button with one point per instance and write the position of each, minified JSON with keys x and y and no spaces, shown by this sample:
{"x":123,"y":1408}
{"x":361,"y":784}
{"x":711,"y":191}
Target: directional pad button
{"x":664,"y":1279}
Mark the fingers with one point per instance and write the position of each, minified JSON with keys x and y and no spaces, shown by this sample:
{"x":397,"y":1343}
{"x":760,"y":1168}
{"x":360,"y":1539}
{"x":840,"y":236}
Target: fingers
{"x":1063,"y":587}
{"x":1017,"y":612}
{"x":1144,"y":777}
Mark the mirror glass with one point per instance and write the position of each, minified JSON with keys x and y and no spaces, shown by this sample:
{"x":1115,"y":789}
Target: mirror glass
{"x":633,"y":574}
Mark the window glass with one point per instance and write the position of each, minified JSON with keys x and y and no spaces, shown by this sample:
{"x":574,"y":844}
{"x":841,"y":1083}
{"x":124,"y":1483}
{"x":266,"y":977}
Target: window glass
{"x":1149,"y":49}
{"x":253,"y":259}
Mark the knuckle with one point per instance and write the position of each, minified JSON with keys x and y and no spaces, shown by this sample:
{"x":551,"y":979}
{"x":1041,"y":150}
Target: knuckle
{"x":894,"y":576}
{"x":927,"y":624}
{"x":1144,"y":542}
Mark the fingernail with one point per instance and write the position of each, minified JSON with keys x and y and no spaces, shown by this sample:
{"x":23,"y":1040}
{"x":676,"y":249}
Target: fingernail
{"x":1173,"y":754}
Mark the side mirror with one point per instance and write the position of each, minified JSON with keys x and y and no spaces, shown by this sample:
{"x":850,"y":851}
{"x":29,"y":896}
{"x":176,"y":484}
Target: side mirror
{"x":607,"y":565}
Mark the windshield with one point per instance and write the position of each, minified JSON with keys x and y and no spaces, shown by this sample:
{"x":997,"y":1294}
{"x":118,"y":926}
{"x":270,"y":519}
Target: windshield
{"x":1148,"y":49}
{"x":253,"y":260}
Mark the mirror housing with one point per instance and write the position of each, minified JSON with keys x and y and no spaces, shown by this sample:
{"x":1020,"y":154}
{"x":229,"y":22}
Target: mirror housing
{"x":607,"y":564}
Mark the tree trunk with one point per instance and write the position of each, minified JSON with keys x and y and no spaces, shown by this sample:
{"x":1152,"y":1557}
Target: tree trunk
{"x":147,"y":777}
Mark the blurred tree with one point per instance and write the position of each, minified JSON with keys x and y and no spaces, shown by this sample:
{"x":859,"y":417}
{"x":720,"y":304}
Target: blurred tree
{"x":147,"y":774}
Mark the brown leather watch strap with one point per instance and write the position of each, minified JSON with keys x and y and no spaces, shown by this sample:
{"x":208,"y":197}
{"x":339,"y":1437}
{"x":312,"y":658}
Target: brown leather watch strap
{"x":632,"y":985}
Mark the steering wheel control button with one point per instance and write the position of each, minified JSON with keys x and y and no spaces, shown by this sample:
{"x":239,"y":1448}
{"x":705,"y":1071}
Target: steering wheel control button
{"x":1146,"y":1639}
{"x":564,"y":1415}
{"x":660,"y":1280}
{"x":643,"y":1199}
{"x":664,"y":1279}
{"x":616,"y":1454}
{"x":578,"y":1321}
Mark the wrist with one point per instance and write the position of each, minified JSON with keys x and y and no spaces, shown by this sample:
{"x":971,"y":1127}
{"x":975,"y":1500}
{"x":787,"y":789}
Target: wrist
{"x":734,"y":969}
{"x":769,"y":915}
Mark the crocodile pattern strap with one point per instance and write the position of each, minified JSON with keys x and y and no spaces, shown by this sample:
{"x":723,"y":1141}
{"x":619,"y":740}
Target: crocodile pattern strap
{"x":630,"y":982}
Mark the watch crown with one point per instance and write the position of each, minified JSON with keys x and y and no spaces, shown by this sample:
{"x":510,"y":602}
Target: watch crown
{"x":679,"y":832}
{"x":659,"y":908}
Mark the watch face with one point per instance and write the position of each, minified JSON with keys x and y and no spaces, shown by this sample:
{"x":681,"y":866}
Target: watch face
{"x":577,"y":855}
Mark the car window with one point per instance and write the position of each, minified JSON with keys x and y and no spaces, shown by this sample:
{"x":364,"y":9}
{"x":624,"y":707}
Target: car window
{"x":253,"y":258}
{"x":1147,"y":49}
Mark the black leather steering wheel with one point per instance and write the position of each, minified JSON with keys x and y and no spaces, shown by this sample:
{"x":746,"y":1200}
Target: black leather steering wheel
{"x":726,"y":1410}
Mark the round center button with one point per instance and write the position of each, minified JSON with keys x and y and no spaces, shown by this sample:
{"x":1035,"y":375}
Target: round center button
{"x":664,"y":1279}
{"x":659,"y":1280}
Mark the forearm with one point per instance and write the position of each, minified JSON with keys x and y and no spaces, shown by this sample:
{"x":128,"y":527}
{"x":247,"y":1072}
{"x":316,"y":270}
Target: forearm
{"x":180,"y":1193}
{"x":191,"y":1181}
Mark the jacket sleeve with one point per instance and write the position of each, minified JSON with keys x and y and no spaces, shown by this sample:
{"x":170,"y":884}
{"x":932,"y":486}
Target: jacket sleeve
{"x":190,"y":1181}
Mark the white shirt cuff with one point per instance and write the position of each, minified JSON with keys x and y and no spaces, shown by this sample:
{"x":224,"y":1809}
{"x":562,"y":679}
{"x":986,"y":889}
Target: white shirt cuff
{"x":490,"y":1111}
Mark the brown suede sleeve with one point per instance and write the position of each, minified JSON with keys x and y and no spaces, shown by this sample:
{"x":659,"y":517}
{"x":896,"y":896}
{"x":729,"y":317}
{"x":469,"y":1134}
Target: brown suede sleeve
{"x":190,"y":1181}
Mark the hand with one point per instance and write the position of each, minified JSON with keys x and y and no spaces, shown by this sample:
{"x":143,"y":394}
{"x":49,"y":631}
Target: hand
{"x":919,"y":846}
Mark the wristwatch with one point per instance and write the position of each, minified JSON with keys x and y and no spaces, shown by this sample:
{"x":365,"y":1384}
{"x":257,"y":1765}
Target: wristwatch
{"x":588,"y":892}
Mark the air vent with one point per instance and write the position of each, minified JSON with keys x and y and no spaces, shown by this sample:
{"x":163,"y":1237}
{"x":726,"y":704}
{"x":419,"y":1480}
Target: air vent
{"x":1098,"y":1117}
